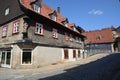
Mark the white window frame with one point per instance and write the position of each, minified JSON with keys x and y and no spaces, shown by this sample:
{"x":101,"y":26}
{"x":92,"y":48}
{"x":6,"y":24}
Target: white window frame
{"x":53,"y":17}
{"x":55,"y":33}
{"x":4,"y":31}
{"x":16,"y":26}
{"x":39,"y":28}
{"x":7,"y":11}
{"x":22,"y":56}
{"x":36,"y":8}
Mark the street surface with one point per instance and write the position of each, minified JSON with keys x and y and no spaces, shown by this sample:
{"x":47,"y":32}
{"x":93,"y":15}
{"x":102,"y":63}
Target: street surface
{"x":92,"y":68}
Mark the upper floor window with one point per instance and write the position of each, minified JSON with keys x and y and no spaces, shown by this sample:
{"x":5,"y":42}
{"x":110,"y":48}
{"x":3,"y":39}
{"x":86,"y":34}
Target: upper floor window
{"x":36,"y":8}
{"x":7,"y":10}
{"x":16,"y":26}
{"x":4,"y":31}
{"x":39,"y":29}
{"x":55,"y":33}
{"x":71,"y":37}
{"x":66,"y":36}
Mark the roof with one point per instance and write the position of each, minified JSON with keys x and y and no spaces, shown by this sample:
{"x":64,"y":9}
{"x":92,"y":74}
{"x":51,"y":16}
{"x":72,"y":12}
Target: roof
{"x":14,"y":10}
{"x":45,"y":11}
{"x":99,"y":36}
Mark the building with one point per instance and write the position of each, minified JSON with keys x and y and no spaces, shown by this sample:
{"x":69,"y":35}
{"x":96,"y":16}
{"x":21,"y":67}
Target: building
{"x":33,"y":35}
{"x":100,"y":41}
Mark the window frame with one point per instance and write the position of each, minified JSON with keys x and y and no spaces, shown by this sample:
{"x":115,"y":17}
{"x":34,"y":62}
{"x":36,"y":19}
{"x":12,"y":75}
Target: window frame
{"x":55,"y":33}
{"x":13,"y":27}
{"x":22,"y":56}
{"x":66,"y":37}
{"x":40,"y":29}
{"x":71,"y":37}
{"x":7,"y":11}
{"x":36,"y":8}
{"x":6,"y":26}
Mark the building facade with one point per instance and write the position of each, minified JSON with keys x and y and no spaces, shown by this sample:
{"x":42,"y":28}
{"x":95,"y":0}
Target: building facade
{"x":34,"y":35}
{"x":101,"y":41}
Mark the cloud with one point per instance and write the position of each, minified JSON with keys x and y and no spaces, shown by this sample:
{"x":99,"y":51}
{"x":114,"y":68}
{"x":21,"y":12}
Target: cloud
{"x":95,"y":12}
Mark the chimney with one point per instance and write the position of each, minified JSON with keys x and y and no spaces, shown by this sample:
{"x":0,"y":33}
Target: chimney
{"x":58,"y":9}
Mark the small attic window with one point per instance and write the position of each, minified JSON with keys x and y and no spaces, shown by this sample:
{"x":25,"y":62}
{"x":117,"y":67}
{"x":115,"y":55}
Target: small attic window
{"x":36,"y":5}
{"x":73,"y":28}
{"x":53,"y":16}
{"x":65,"y":23}
{"x":7,"y":10}
{"x":36,"y":8}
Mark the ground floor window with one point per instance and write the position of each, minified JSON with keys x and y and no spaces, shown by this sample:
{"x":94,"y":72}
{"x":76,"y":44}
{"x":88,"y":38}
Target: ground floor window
{"x":5,"y":57}
{"x":27,"y":56}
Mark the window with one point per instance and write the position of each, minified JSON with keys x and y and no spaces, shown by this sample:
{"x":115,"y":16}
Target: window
{"x":73,"y":28}
{"x":4,"y":31}
{"x":36,"y":8}
{"x":53,"y":17}
{"x":66,"y":37}
{"x":65,"y":23}
{"x":16,"y":26}
{"x":55,"y":33}
{"x":7,"y":11}
{"x":39,"y":29}
{"x":71,"y":37}
{"x":27,"y":56}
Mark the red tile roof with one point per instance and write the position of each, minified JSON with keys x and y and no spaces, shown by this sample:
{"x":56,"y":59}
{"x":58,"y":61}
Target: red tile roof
{"x":99,"y":36}
{"x":45,"y":11}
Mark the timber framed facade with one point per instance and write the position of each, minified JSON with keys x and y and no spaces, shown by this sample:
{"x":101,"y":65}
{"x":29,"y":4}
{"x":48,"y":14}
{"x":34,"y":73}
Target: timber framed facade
{"x":34,"y":35}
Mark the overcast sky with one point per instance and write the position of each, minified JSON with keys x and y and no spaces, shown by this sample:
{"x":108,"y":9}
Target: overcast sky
{"x":89,"y":14}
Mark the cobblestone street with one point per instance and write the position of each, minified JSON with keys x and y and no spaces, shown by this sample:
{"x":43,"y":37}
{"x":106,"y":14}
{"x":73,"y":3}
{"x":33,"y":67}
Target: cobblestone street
{"x":97,"y":67}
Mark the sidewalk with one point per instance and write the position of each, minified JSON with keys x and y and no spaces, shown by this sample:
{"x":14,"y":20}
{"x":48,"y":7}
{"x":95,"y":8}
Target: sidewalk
{"x":55,"y":67}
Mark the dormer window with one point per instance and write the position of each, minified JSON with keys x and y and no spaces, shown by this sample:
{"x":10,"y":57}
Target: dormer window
{"x":36,"y":8}
{"x":53,"y":16}
{"x":36,"y":5}
{"x":73,"y":28}
{"x":7,"y":10}
{"x":65,"y":22}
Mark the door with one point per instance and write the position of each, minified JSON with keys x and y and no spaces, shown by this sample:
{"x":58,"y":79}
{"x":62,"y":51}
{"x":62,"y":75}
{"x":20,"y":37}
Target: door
{"x":6,"y":58}
{"x":66,"y":54}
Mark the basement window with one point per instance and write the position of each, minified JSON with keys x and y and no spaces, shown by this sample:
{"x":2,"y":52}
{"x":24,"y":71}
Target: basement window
{"x":27,"y":56}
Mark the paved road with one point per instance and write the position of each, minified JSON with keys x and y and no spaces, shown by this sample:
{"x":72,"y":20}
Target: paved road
{"x":101,"y":69}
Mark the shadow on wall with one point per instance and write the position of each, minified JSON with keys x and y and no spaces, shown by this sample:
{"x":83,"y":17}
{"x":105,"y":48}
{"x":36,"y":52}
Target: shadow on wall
{"x":102,"y":69}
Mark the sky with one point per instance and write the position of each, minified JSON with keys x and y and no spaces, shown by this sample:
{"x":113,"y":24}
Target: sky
{"x":89,"y":14}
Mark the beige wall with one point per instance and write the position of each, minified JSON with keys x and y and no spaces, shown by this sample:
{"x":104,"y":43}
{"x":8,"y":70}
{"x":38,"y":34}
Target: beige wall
{"x":41,"y":56}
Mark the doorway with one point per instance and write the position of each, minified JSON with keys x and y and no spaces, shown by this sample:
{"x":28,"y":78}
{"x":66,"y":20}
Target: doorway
{"x":66,"y":54}
{"x":6,"y":58}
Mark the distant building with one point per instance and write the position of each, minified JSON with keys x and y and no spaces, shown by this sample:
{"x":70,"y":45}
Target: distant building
{"x":32,"y":35}
{"x":100,"y":41}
